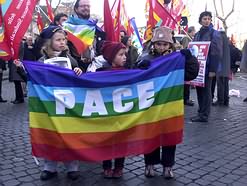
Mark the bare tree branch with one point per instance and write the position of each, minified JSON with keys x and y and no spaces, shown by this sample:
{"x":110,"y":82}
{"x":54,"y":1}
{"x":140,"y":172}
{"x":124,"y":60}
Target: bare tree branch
{"x":222,"y":18}
{"x":222,"y":8}
{"x":233,"y":5}
{"x":216,"y":11}
{"x":57,"y":6}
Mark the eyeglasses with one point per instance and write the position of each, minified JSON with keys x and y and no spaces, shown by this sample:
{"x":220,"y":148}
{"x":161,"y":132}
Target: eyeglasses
{"x":84,"y":6}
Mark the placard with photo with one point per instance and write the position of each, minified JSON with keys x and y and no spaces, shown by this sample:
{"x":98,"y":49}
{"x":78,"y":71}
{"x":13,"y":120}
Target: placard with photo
{"x":59,"y":61}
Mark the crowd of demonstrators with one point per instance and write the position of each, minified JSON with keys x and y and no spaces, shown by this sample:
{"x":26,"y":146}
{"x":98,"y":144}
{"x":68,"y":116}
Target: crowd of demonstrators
{"x":2,"y":68}
{"x":114,"y":54}
{"x":243,"y":64}
{"x":163,"y":44}
{"x":222,"y":75}
{"x":122,"y":55}
{"x":185,"y":42}
{"x":207,"y":33}
{"x":55,"y":46}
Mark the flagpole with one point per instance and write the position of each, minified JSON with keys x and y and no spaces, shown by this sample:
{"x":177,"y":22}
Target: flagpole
{"x":43,"y":13}
{"x":113,"y":5}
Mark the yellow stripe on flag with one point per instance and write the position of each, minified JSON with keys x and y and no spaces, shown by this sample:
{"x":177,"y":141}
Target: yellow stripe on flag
{"x":82,"y":125}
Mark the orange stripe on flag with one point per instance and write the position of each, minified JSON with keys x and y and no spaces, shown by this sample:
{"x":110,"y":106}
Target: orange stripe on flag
{"x":80,"y":141}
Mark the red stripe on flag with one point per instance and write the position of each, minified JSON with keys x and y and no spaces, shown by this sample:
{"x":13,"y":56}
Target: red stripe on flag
{"x":87,"y":140}
{"x":107,"y":152}
{"x":79,"y":45}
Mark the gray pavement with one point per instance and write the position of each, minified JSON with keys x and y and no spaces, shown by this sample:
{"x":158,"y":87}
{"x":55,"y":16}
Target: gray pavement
{"x":213,"y":153}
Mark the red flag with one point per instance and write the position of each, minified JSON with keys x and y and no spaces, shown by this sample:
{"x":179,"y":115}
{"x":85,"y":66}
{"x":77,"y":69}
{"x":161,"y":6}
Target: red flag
{"x":117,"y":19}
{"x":108,"y":22}
{"x":39,"y":22}
{"x":49,"y":11}
{"x":151,"y":21}
{"x":166,"y":19}
{"x":121,"y":19}
{"x":16,"y":20}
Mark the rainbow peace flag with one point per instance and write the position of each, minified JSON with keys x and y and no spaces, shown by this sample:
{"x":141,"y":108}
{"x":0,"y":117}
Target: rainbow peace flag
{"x":81,"y":32}
{"x":104,"y":115}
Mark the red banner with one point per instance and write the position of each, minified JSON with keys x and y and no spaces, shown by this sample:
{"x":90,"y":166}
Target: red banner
{"x":16,"y":21}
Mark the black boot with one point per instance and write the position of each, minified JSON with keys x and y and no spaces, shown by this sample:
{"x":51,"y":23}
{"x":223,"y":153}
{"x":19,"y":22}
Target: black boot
{"x":2,"y":100}
{"x":47,"y":175}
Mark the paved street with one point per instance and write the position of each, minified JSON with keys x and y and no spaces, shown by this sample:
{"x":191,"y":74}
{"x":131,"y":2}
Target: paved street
{"x":213,"y":153}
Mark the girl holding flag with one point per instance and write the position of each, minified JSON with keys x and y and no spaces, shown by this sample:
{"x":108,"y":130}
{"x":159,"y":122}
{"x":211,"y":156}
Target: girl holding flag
{"x":114,"y":54}
{"x":55,"y":46}
{"x":161,"y":45}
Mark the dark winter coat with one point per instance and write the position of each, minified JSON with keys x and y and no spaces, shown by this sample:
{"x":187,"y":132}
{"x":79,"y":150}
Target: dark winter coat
{"x":132,"y":56}
{"x":191,"y":63}
{"x":243,"y":64}
{"x":224,"y":68}
{"x":2,"y":64}
{"x":216,"y":47}
{"x":29,"y":53}
{"x":236,"y":55}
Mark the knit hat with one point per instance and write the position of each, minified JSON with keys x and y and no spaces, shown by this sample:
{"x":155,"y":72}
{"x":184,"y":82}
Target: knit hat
{"x":125,"y":39}
{"x":110,"y":50}
{"x":49,"y":31}
{"x":162,"y":34}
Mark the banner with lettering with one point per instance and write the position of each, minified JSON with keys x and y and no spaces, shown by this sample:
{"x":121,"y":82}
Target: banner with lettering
{"x":201,"y":49}
{"x":107,"y":114}
{"x":16,"y":16}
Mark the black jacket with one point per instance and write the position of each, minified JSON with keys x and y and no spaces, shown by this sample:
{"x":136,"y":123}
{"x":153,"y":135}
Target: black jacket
{"x":191,"y":64}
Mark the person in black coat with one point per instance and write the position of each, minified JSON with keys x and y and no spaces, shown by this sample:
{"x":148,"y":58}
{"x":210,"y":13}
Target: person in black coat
{"x":2,"y":68}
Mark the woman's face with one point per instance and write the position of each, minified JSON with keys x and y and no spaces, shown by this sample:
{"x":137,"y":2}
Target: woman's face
{"x":129,"y":42}
{"x":161,"y":46}
{"x":206,"y":20}
{"x":120,"y":58}
{"x":58,"y":42}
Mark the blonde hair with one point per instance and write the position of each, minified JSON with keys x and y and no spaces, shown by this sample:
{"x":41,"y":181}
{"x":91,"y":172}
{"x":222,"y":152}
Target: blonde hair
{"x":47,"y":47}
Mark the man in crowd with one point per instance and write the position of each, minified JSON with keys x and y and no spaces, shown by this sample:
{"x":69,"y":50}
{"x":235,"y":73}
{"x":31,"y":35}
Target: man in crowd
{"x":222,"y":76}
{"x":82,"y":11}
{"x":59,"y":19}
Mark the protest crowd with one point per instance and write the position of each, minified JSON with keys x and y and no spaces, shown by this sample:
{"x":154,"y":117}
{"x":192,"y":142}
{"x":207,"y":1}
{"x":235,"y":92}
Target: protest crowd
{"x":77,"y":75}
